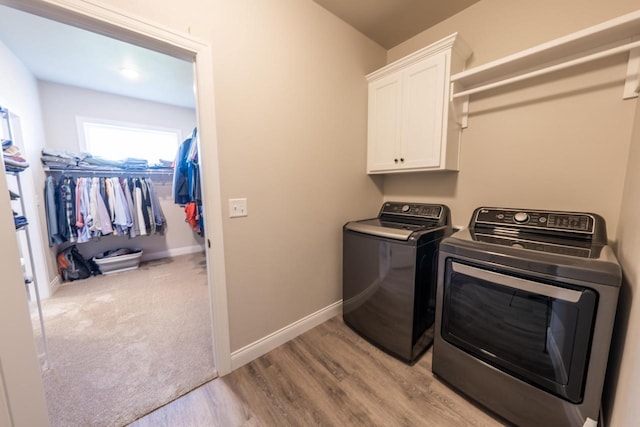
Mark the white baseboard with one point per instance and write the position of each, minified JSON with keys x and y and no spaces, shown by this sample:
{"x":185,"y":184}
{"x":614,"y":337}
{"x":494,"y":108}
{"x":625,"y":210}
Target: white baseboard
{"x":55,"y":284}
{"x":186,"y":250}
{"x":264,"y":345}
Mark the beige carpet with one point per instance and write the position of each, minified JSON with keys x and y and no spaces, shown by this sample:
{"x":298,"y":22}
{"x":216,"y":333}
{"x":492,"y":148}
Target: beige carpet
{"x":124,"y":344}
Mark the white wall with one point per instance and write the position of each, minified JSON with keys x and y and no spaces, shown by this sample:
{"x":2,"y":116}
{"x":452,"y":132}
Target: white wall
{"x":19,"y":369}
{"x":61,"y":104}
{"x":19,"y":94}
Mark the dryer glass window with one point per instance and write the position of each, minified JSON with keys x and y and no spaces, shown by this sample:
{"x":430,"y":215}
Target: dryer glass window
{"x":539,"y":332}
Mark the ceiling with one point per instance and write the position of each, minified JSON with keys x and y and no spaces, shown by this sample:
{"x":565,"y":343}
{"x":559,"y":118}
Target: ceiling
{"x":64,"y":54}
{"x":68,"y":55}
{"x":390,"y":22}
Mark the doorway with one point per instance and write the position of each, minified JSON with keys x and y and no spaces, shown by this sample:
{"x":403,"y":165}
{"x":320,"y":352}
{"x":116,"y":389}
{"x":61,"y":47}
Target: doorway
{"x":127,"y":29}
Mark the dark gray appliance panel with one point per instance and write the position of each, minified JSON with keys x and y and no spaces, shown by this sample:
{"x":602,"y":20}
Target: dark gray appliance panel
{"x":390,"y":293}
{"x":542,"y":337}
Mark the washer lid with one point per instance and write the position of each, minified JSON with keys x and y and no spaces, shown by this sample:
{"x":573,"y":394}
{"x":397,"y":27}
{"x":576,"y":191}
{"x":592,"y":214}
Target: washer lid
{"x":388,"y":229}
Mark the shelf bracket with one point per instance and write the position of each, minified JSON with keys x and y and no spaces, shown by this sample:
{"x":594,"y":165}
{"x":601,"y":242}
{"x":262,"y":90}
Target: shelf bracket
{"x":613,"y":37}
{"x":459,"y":107}
{"x":632,"y":81}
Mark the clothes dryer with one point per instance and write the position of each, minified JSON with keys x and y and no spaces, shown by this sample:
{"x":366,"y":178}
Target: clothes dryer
{"x":525,"y":309}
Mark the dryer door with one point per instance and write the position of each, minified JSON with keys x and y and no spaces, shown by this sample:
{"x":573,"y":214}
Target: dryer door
{"x":537,"y":331}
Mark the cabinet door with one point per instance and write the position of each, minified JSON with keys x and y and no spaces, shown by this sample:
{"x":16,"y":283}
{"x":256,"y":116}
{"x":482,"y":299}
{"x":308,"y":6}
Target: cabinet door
{"x":384,"y":123}
{"x":423,"y":108}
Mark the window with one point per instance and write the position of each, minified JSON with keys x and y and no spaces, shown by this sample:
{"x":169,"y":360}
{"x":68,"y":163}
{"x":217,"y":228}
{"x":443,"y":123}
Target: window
{"x":118,"y":141}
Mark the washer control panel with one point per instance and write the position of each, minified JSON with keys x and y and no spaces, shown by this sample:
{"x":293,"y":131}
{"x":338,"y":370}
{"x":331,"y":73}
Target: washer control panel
{"x":541,"y":220}
{"x":416,"y":210}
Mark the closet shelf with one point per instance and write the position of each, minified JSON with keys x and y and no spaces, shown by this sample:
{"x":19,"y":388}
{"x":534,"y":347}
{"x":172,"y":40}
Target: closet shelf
{"x":161,"y":176}
{"x":609,"y":38}
{"x":102,"y":171}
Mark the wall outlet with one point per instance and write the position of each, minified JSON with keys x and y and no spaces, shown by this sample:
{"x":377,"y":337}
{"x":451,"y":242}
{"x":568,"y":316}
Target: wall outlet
{"x":237,"y":207}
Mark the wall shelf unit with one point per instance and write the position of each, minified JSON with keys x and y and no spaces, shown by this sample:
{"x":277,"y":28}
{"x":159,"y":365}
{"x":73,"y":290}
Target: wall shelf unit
{"x":29,"y":271}
{"x":609,"y":38}
{"x":24,"y":237}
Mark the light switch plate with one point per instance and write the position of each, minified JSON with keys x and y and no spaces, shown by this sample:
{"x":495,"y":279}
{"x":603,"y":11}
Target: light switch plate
{"x":237,"y":208}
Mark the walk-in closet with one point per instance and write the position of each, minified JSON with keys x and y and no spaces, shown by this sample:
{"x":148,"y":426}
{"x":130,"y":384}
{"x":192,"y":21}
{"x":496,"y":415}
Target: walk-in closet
{"x":103,"y":174}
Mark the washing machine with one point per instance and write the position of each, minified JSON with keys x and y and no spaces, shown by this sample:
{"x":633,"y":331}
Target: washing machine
{"x":389,"y":276}
{"x":525,"y":309}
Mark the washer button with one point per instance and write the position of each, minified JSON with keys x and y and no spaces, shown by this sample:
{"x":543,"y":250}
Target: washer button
{"x":521,"y":217}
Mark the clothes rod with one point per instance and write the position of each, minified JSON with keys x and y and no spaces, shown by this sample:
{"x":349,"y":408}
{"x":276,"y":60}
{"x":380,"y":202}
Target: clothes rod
{"x":547,"y":70}
{"x":77,"y":171}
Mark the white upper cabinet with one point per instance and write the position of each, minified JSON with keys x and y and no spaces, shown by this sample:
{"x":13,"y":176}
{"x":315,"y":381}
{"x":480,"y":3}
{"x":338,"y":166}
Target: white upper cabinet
{"x":410,"y":128}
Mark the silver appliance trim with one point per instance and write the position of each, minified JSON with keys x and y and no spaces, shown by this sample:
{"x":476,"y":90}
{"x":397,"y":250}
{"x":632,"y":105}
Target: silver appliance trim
{"x":374,"y":230}
{"x":516,"y":239}
{"x":564,"y":294}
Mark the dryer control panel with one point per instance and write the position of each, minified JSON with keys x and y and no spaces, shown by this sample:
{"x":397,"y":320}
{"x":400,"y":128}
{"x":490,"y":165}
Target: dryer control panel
{"x":414,"y":210}
{"x":567,"y":222}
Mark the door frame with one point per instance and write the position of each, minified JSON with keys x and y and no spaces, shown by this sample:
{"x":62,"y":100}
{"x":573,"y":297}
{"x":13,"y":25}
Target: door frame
{"x":122,"y":25}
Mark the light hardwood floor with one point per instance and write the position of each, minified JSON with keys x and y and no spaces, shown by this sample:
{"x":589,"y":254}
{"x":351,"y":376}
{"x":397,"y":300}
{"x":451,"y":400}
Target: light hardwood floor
{"x":328,"y":376}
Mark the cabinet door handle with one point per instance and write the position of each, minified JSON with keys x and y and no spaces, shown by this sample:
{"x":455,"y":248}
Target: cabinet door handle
{"x":395,"y":160}
{"x":401,"y":160}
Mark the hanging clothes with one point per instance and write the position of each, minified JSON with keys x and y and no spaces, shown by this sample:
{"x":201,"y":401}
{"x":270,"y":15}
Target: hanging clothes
{"x":121,"y":217}
{"x":65,"y":211}
{"x":81,"y":209}
{"x":143,"y":221}
{"x":134,"y":229}
{"x":158,"y":215}
{"x":84,"y":217}
{"x":192,"y":216}
{"x":181,"y":194}
{"x":187,"y":190}
{"x":50,"y":208}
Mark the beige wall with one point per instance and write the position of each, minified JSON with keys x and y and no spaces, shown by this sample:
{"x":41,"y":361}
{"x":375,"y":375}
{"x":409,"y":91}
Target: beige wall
{"x":555,"y":142}
{"x":291,"y":114}
{"x":61,"y":104}
{"x":291,"y":102}
{"x":623,"y":381}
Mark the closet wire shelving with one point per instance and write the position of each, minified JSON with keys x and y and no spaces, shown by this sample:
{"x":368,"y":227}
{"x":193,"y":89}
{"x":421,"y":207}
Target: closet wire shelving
{"x":29,"y":279}
{"x":163,"y":176}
